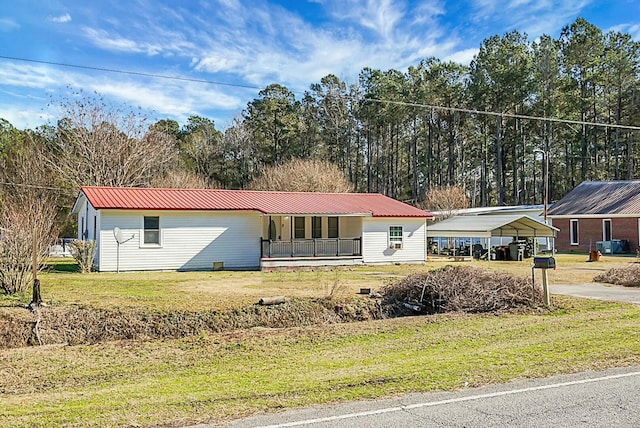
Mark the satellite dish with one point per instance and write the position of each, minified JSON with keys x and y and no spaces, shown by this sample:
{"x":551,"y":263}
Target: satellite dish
{"x":117,"y":233}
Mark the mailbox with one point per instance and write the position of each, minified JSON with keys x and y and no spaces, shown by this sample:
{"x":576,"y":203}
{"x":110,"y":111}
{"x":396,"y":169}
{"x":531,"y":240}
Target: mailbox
{"x":544,"y":263}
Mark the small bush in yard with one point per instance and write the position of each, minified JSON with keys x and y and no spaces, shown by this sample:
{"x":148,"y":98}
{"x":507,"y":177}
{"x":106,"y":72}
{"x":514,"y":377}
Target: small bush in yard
{"x":461,"y":289}
{"x":628,"y":276}
{"x":84,"y":252}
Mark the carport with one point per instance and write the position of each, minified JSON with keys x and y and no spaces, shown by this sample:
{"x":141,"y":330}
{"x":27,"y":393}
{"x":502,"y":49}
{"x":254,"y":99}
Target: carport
{"x":482,"y":229}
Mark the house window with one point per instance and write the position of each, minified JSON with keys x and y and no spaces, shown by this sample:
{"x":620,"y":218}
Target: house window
{"x":574,"y":232}
{"x":317,"y":227}
{"x":95,"y":227}
{"x":298,"y":228}
{"x":333,"y":227}
{"x":606,"y":230}
{"x":152,"y":230}
{"x":395,"y":237}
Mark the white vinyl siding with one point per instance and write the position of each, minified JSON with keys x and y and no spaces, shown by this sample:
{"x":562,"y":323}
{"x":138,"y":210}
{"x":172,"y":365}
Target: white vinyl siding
{"x":375,"y":240}
{"x":191,"y":240}
{"x":89,"y":226}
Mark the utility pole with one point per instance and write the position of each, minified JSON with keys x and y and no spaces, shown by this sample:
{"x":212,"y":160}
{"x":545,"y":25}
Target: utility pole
{"x":545,"y":173}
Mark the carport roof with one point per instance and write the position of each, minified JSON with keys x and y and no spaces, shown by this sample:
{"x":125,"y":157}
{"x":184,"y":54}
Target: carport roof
{"x":489,"y":226}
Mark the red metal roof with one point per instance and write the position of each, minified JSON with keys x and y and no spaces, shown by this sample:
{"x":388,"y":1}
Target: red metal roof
{"x":293,"y":203}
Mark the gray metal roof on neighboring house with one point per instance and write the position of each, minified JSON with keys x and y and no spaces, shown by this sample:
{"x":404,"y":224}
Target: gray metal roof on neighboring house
{"x":600,"y":197}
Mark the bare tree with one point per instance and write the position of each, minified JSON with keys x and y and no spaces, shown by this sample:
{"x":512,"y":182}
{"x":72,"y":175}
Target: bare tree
{"x":100,"y":145}
{"x":27,"y":220}
{"x":445,"y":199}
{"x":179,"y":178}
{"x":298,"y":175}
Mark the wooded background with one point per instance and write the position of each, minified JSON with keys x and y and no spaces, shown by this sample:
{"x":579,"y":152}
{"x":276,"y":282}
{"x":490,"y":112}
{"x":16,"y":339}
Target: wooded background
{"x":400,"y":133}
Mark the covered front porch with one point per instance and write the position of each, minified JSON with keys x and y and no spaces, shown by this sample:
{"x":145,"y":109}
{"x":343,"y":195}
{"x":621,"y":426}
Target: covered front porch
{"x":290,"y":240}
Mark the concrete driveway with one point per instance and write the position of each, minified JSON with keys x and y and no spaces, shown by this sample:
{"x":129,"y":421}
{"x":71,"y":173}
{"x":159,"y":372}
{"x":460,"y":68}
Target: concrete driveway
{"x":599,"y":291}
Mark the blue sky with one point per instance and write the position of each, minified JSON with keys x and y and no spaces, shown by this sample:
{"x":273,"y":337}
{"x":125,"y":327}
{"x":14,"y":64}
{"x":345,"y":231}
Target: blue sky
{"x":247,"y":43}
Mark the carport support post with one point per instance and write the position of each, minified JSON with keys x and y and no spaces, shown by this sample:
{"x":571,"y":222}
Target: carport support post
{"x":533,"y":283}
{"x":545,"y":288}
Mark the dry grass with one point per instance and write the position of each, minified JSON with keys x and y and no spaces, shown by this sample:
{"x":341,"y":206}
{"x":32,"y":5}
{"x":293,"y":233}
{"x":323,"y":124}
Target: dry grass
{"x":572,"y":268}
{"x":211,"y":378}
{"x":214,"y":377}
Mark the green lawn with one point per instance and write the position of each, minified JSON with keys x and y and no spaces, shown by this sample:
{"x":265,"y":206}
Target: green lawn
{"x":224,"y":290}
{"x":217,"y":377}
{"x":213,"y":378}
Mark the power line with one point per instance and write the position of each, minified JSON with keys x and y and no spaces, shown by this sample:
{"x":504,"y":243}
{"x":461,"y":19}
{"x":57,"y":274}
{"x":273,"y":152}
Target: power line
{"x":134,"y":73}
{"x":511,"y":115}
{"x":33,"y":186}
{"x":381,"y":101}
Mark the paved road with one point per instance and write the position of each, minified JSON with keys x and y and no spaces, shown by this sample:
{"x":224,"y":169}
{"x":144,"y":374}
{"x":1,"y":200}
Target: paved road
{"x":598,"y":291}
{"x":592,"y":399}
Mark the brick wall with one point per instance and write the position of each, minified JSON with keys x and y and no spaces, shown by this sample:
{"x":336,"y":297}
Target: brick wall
{"x":590,"y":231}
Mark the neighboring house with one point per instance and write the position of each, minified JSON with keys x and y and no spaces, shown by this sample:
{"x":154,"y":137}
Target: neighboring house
{"x":179,"y":229}
{"x":598,"y":215}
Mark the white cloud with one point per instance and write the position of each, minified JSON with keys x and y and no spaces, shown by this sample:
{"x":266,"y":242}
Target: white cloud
{"x":161,"y":97}
{"x":27,"y":76}
{"x":24,"y":116}
{"x":103,"y":40}
{"x":632,"y":29}
{"x":284,"y":48}
{"x":62,"y":19}
{"x":534,"y":18}
{"x":380,"y":16}
{"x":463,"y":57}
{"x":8,"y":25}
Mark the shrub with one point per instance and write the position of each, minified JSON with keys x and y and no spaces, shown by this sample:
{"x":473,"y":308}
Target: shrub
{"x":16,"y":271}
{"x":83,"y":252}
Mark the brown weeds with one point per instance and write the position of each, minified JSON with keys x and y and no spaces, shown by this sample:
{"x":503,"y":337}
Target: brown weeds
{"x":628,"y":276}
{"x":74,"y":325}
{"x":461,"y":289}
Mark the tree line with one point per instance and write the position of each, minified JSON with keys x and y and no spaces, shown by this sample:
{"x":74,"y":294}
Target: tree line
{"x":400,"y":133}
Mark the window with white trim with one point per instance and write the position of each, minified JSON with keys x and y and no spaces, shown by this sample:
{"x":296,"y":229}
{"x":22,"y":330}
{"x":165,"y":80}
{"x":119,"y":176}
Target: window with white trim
{"x":606,"y":230}
{"x":151,"y":234}
{"x":395,"y":237}
{"x":574,"y":231}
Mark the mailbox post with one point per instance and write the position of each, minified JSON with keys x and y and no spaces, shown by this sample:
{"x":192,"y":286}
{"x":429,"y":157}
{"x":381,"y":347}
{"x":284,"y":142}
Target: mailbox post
{"x":544,"y":263}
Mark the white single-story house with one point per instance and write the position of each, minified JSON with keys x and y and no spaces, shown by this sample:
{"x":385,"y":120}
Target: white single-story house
{"x":195,"y":229}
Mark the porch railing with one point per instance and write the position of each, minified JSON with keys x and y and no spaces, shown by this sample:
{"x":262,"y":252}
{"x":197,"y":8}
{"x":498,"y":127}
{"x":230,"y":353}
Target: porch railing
{"x":331,"y":247}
